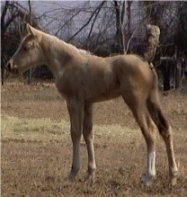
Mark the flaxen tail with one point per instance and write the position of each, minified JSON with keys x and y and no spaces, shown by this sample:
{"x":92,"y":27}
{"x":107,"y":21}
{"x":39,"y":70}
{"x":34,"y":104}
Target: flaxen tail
{"x":153,"y":103}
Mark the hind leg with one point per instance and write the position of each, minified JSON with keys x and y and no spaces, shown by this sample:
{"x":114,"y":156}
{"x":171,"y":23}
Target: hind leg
{"x":166,"y":133}
{"x":148,"y":129}
{"x":89,"y":138}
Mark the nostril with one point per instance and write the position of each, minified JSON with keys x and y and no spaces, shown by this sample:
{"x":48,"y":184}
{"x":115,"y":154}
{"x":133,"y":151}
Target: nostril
{"x":8,"y":66}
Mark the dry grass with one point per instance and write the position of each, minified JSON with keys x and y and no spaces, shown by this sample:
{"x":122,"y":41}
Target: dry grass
{"x":36,"y":146}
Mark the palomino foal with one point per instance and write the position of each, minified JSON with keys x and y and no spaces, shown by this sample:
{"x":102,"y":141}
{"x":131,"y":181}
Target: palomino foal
{"x":83,"y":79}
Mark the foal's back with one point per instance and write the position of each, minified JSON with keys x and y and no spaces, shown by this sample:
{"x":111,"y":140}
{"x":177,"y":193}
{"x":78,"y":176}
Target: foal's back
{"x":107,"y":78}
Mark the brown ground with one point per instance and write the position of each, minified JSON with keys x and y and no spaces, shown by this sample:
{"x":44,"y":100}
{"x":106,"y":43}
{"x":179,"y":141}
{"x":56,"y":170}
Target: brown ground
{"x":36,"y":147}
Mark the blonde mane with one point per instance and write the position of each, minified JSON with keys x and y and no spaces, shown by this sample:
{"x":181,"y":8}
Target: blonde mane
{"x":82,"y":51}
{"x":55,"y":40}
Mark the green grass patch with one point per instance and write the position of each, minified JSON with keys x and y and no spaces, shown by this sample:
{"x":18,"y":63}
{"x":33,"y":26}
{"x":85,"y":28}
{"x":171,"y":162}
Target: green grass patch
{"x":33,"y":129}
{"x":46,"y":129}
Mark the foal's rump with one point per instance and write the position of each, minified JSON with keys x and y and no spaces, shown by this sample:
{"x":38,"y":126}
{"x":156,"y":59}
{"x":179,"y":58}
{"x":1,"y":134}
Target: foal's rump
{"x":134,"y":74}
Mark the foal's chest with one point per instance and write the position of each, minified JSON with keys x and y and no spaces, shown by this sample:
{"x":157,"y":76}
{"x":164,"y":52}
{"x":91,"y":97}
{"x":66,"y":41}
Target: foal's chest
{"x":68,"y":86}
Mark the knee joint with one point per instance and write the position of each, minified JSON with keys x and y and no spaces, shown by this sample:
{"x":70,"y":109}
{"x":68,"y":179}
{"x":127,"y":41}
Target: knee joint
{"x":75,"y":134}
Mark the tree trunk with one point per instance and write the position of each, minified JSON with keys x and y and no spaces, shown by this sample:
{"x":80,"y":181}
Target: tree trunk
{"x":120,"y":34}
{"x":129,"y":3}
{"x":30,"y":70}
{"x":2,"y":40}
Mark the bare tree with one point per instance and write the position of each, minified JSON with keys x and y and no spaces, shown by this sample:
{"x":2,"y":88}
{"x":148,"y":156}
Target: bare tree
{"x":13,"y":16}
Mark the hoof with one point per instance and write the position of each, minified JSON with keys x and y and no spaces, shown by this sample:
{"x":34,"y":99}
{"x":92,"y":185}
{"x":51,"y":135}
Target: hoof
{"x":173,"y":181}
{"x":72,"y":175}
{"x":173,"y":178}
{"x":90,"y":177}
{"x":148,"y":180}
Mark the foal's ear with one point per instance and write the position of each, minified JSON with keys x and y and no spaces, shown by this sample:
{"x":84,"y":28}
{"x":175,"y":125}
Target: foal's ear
{"x":34,"y":32}
{"x":30,"y":29}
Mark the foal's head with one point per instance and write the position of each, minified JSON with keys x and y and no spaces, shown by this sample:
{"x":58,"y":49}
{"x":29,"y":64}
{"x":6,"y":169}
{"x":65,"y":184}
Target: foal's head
{"x":28,"y":54}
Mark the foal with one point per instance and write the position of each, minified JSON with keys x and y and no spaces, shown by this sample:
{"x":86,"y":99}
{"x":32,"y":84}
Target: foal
{"x":83,"y":79}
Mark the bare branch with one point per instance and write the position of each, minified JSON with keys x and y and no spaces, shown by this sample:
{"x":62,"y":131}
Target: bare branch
{"x":67,"y":21}
{"x":88,"y":21}
{"x":131,"y":37}
{"x":95,"y":18}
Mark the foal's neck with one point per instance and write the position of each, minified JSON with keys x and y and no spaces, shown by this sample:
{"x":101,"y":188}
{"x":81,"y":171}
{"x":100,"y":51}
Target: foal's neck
{"x":59,"y":54}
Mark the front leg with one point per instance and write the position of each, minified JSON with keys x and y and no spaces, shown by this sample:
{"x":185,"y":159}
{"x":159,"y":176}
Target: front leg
{"x":89,"y":138}
{"x":76,"y":113}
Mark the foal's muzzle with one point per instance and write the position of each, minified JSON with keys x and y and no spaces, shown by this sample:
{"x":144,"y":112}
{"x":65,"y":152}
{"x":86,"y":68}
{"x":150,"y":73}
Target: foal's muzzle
{"x":11,"y":68}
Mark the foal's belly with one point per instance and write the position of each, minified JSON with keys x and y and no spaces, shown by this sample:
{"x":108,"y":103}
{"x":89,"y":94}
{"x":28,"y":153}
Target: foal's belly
{"x":96,"y":94}
{"x":105,"y":97}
